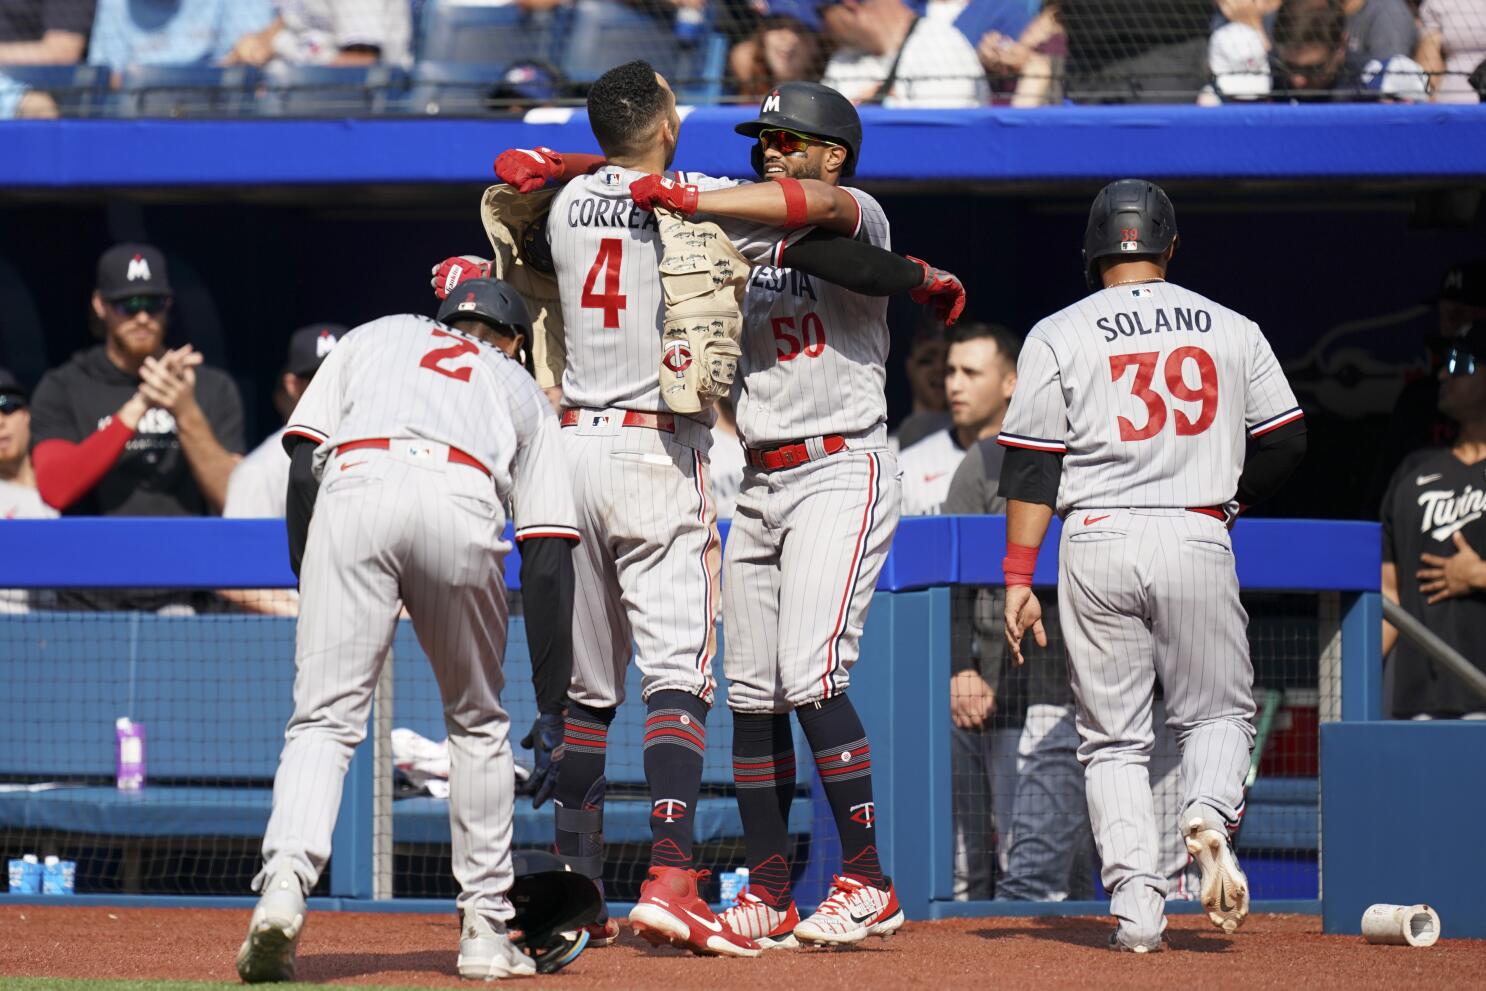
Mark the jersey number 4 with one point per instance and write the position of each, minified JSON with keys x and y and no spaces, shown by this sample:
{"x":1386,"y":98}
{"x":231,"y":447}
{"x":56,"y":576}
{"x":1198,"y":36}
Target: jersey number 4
{"x":611,"y":254}
{"x":1144,"y":363}
{"x":435,"y":359}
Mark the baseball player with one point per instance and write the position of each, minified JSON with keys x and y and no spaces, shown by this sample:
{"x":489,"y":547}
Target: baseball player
{"x":648,"y":572}
{"x":1129,"y":420}
{"x":815,"y":515}
{"x":402,"y":452}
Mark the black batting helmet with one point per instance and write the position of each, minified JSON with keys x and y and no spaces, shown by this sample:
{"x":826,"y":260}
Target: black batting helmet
{"x":1129,"y":217}
{"x":812,"y":109}
{"x":490,"y":301}
{"x":554,"y":906}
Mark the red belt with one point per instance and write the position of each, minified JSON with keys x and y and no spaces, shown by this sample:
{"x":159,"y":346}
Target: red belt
{"x":790,"y":455}
{"x":456,"y":456}
{"x":1213,"y":511}
{"x":664,"y":422}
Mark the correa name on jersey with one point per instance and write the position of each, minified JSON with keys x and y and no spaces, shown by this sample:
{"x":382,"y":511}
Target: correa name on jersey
{"x":598,"y":211}
{"x":1131,"y":324}
{"x":788,"y":280}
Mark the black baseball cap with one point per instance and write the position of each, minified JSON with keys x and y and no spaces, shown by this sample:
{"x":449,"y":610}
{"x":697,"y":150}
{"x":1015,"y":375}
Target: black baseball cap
{"x":309,"y":345}
{"x":1464,"y":282}
{"x":132,"y":269}
{"x":11,"y":388}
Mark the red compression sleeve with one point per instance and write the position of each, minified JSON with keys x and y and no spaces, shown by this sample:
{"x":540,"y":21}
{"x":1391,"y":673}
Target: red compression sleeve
{"x":65,"y":472}
{"x":796,"y":213}
{"x":1019,"y":563}
{"x":575,"y":164}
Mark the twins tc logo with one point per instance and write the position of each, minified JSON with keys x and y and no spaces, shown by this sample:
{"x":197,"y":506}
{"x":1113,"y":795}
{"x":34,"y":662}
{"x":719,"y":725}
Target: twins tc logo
{"x":669,"y":809}
{"x":677,"y":357}
{"x":865,"y":813}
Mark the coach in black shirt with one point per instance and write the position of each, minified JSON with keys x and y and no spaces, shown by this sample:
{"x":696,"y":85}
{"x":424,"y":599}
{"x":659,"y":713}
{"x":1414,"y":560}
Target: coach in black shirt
{"x":1434,"y":533}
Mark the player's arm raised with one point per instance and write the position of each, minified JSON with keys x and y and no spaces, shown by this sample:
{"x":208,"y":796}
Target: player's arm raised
{"x":786,"y":203}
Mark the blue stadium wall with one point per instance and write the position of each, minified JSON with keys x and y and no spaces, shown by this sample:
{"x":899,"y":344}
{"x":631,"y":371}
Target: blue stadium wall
{"x":270,"y":224}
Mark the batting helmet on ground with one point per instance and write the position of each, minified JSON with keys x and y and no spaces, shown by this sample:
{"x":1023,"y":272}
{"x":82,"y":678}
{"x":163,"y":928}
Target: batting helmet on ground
{"x":812,"y":109}
{"x":1130,"y":217}
{"x":553,"y":906}
{"x":490,"y":301}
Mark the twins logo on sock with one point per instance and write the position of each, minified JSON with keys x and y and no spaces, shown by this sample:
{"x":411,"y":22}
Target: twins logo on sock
{"x":865,"y":813}
{"x":669,"y":809}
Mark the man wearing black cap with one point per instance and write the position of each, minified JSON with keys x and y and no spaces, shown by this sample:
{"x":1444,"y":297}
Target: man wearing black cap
{"x":128,"y":428}
{"x":19,"y":499}
{"x":1434,"y":535}
{"x":1417,"y":420}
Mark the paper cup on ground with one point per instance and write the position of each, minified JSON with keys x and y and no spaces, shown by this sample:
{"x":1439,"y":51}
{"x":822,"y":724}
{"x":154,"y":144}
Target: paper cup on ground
{"x":1401,"y":925}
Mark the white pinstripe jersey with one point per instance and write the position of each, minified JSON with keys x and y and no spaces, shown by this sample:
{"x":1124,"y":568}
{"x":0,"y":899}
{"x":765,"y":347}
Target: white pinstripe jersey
{"x":1147,"y":389}
{"x":607,"y":254}
{"x":813,"y":353}
{"x":411,"y":376}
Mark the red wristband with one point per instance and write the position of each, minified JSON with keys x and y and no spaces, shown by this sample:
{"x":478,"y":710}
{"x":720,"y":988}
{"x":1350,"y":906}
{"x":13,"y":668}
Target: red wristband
{"x":1018,"y":564}
{"x":795,"y":209}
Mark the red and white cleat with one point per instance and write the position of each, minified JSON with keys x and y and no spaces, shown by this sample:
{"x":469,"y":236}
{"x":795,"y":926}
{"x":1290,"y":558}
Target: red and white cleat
{"x":604,"y":933}
{"x":769,"y":927}
{"x":853,"y":912}
{"x":670,"y":911}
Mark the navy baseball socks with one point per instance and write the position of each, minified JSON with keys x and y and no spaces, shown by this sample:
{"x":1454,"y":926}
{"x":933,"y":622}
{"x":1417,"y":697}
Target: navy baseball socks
{"x":675,"y":742}
{"x":579,"y":803}
{"x":764,"y":776}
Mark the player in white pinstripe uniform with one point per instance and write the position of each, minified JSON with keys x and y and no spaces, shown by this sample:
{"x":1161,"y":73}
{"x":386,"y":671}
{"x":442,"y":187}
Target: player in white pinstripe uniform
{"x":1129,"y":418}
{"x":649,"y":568}
{"x":814,"y":518}
{"x":402,"y":452}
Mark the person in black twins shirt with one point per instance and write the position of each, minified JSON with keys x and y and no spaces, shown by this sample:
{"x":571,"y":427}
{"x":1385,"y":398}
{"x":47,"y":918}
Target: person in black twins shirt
{"x":1434,"y":534}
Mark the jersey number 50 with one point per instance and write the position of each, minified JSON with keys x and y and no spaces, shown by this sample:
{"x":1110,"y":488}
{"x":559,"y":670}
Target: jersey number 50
{"x":1144,"y":363}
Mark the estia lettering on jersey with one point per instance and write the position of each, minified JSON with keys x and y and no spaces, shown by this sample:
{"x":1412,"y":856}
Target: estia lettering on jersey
{"x":1445,"y":512}
{"x":1132,"y":325}
{"x":596,"y":211}
{"x":781,"y":279}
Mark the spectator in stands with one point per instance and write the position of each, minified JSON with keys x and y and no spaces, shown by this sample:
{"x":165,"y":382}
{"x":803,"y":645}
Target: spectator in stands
{"x":170,"y":32}
{"x":1380,"y":29}
{"x":979,"y":376}
{"x":1434,"y":536}
{"x":258,"y":485}
{"x":17,"y":100}
{"x":129,"y":428}
{"x":784,"y":48}
{"x":44,"y":32}
{"x":1142,"y":51}
{"x":1417,"y":420}
{"x":925,"y":370}
{"x":1452,"y":44}
{"x":1028,"y":64}
{"x":888,"y":54}
{"x":1238,"y":52}
{"x":331,"y":32}
{"x":18,"y":497}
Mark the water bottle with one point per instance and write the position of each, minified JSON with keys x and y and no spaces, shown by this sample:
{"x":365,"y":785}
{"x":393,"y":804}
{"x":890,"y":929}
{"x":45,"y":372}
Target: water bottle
{"x":691,"y":22}
{"x":731,"y":885}
{"x":58,"y":877}
{"x":25,"y":875}
{"x":129,"y":754}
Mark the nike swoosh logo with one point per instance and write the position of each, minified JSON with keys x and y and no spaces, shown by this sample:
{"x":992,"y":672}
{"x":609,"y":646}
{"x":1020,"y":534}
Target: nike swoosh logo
{"x":1091,"y":520}
{"x":1223,"y":899}
{"x":930,"y":478}
{"x":861,"y":920}
{"x":1426,"y":479}
{"x":708,"y":923}
{"x":351,"y":464}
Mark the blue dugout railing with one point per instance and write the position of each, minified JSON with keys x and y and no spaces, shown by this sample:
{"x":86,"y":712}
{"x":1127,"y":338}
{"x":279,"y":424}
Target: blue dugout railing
{"x":902,"y":678}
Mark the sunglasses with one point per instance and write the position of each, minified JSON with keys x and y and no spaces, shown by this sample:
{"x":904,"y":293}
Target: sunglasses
{"x":788,"y":142}
{"x":10,"y":403}
{"x":132,"y":305}
{"x":1460,"y":362}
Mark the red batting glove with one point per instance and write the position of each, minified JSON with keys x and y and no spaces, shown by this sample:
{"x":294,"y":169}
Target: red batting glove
{"x":653,"y":191}
{"x":528,"y":169}
{"x":941,"y":290}
{"x":452,"y":271}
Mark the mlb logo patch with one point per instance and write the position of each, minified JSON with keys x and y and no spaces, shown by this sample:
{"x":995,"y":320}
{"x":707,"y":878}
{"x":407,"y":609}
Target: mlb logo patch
{"x":610,"y":178}
{"x":1140,"y":292}
{"x":1129,"y":245}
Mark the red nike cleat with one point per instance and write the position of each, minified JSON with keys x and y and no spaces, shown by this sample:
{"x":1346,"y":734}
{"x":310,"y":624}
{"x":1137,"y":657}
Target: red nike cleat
{"x":671,"y":912}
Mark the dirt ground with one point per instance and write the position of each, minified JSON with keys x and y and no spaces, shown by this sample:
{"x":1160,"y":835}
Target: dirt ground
{"x":418,"y":950}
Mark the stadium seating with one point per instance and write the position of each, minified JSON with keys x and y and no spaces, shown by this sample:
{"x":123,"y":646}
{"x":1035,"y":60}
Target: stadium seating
{"x":80,"y":90}
{"x":325,"y":90}
{"x":488,"y":35}
{"x":453,"y":87}
{"x":185,"y":91}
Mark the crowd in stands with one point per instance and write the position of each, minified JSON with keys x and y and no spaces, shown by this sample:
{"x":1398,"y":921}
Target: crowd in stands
{"x":505,"y":54}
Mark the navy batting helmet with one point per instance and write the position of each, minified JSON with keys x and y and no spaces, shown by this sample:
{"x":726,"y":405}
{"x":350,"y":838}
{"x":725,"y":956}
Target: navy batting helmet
{"x":554,"y":906}
{"x":1130,"y":217}
{"x":490,"y":301}
{"x":812,"y":109}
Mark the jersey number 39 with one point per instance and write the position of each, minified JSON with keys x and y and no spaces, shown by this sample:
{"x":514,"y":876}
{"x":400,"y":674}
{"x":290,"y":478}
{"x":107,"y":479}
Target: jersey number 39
{"x":1174,"y":371}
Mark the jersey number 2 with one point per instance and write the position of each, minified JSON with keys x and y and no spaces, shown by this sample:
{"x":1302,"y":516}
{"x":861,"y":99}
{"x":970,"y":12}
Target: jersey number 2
{"x":1144,"y":363}
{"x":434,"y":360}
{"x":611,"y":254}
